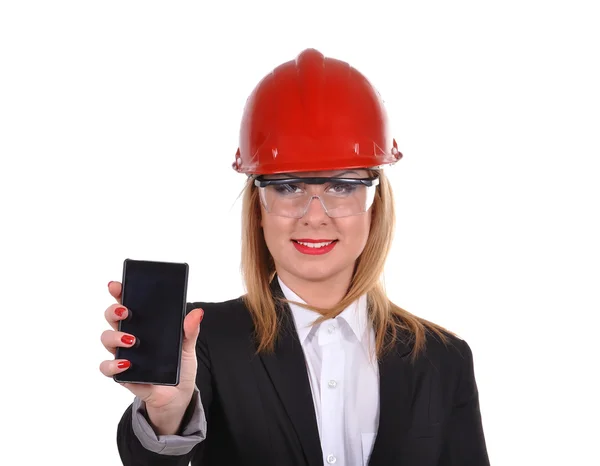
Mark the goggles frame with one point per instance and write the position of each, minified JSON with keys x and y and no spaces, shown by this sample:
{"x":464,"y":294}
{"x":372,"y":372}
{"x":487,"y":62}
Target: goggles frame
{"x":261,"y":182}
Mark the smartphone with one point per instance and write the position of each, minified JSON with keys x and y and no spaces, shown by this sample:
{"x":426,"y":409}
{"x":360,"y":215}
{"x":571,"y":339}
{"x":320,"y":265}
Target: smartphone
{"x":155,"y":294}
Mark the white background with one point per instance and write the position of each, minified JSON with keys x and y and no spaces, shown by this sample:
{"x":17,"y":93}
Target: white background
{"x":118,"y":125}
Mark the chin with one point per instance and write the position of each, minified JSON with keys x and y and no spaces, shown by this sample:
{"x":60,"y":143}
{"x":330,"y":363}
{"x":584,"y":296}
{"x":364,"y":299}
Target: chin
{"x":315,"y":272}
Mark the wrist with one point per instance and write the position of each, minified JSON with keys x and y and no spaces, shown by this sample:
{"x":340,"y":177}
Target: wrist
{"x":167,"y":421}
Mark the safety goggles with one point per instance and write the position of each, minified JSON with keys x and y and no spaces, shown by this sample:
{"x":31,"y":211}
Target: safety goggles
{"x":340,"y":197}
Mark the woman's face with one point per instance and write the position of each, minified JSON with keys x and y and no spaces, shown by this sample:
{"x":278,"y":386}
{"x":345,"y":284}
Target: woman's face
{"x":284,"y":237}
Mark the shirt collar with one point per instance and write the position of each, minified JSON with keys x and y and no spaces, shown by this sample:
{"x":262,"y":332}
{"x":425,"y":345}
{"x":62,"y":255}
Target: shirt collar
{"x":355,"y":315}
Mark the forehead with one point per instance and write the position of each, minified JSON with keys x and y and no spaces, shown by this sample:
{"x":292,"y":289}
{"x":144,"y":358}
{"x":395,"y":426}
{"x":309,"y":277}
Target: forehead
{"x":346,"y":173}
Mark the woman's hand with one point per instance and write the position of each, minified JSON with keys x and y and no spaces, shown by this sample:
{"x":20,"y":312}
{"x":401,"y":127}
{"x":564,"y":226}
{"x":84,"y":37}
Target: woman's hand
{"x":165,"y":405}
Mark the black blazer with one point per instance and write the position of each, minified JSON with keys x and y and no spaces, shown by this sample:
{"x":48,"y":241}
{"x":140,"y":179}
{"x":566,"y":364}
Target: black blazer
{"x":260,"y":411}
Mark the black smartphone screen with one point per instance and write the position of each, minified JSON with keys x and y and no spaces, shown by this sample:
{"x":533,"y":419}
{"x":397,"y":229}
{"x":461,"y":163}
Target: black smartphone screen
{"x":155,"y":295}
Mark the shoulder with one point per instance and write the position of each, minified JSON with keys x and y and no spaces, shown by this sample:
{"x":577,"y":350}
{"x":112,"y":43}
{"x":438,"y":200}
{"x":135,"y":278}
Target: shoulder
{"x":451,"y":347}
{"x":452,"y":359}
{"x":229,"y":316}
{"x":450,"y":354}
{"x":211,"y":308}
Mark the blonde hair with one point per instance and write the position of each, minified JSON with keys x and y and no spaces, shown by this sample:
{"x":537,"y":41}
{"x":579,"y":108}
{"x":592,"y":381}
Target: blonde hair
{"x":388,"y":319}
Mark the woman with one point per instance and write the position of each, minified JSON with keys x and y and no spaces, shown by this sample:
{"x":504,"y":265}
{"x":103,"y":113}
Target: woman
{"x":314,"y":365}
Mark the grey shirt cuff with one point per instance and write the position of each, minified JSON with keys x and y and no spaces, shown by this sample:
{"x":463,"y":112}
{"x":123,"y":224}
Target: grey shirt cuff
{"x":192,"y":433}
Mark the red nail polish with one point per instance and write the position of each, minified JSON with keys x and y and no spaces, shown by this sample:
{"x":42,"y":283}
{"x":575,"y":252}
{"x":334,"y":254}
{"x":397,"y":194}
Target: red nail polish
{"x":123,"y":364}
{"x":119,"y":311}
{"x":127,"y":339}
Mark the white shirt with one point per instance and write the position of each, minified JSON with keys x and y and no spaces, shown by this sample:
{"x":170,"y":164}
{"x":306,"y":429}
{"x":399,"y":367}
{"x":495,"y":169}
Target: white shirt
{"x":344,"y":379}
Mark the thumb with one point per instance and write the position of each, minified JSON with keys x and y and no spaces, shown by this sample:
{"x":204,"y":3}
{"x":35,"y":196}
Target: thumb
{"x":191,"y":329}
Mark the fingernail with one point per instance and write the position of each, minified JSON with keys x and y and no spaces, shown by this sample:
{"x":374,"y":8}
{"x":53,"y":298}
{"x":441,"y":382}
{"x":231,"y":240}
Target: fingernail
{"x":127,"y":339}
{"x":109,"y":283}
{"x":119,"y":311}
{"x":123,"y":364}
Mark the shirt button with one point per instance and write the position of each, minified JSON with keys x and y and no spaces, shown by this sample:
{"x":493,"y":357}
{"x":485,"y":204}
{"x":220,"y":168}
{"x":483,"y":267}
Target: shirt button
{"x":331,"y":329}
{"x":331,"y":459}
{"x":332,"y":383}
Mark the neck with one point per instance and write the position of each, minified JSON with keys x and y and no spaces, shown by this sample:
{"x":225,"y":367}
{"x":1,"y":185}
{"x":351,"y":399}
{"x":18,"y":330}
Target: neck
{"x":319,"y":293}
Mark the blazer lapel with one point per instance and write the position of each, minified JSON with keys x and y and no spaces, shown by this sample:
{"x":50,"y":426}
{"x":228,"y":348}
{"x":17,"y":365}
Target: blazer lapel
{"x":287,"y":369}
{"x":396,"y":383}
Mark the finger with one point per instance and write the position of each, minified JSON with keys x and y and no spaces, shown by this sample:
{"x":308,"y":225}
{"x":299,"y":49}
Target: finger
{"x":112,"y":339}
{"x":191,"y":329}
{"x":115,"y":289}
{"x":114,"y":366}
{"x":114,"y":313}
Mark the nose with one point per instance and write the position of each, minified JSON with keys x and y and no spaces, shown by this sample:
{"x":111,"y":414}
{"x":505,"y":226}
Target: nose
{"x":315,"y":212}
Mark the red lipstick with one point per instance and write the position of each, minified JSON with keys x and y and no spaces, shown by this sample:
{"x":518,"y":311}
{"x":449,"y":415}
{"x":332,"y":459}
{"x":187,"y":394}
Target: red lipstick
{"x":314,"y":250}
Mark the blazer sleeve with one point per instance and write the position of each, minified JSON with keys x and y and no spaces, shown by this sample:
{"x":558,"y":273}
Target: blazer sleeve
{"x":139,"y":446}
{"x":465,"y":442}
{"x":193,"y":429}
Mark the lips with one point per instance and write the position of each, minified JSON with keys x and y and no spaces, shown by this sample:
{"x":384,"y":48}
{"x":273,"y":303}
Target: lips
{"x":314,"y":246}
{"x":314,"y":243}
{"x":310,"y":240}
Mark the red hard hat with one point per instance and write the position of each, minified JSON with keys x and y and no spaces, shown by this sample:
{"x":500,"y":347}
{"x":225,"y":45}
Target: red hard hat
{"x":314,"y":113}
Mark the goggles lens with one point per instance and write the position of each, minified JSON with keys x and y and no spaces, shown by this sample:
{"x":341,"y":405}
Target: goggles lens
{"x":340,"y":197}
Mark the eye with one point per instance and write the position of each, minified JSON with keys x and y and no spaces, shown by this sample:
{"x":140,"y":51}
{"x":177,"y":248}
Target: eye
{"x":287,"y":188}
{"x":342,"y":188}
